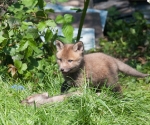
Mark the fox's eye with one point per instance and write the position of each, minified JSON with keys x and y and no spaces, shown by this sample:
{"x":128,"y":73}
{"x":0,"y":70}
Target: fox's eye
{"x":59,"y":59}
{"x":70,"y":60}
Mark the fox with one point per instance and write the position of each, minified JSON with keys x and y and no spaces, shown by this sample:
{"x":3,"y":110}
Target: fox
{"x":98,"y":69}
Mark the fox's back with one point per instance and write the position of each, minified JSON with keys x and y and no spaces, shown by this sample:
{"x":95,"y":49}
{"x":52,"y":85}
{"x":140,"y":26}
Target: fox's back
{"x":99,"y":66}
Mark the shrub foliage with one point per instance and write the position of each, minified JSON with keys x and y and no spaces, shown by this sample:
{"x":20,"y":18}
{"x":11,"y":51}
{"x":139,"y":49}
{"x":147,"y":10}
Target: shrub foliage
{"x":130,"y":38}
{"x":27,"y":36}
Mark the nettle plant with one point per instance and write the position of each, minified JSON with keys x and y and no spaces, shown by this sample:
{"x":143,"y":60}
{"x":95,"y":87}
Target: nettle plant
{"x":27,"y":36}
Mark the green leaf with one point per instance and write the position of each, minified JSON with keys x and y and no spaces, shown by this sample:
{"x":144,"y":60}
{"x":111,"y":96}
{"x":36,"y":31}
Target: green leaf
{"x":24,"y":67}
{"x":20,"y":15}
{"x":77,"y":9}
{"x":27,"y":75}
{"x":62,"y":1}
{"x":67,"y":30}
{"x":48,"y":35}
{"x":41,"y":26}
{"x":49,"y":10}
{"x":23,"y":27}
{"x":18,"y":64}
{"x":2,"y":39}
{"x":29,"y":3}
{"x":33,"y":32}
{"x":40,"y":75}
{"x":13,"y":22}
{"x":33,"y":45}
{"x":60,"y":19}
{"x":68,"y":18}
{"x":132,"y":30}
{"x":27,"y":23}
{"x":16,"y":7}
{"x":28,"y":52}
{"x":11,"y":33}
{"x":13,"y":51}
{"x":28,"y":37}
{"x":23,"y":45}
{"x":40,"y":65}
{"x":51,"y":23}
{"x":16,"y":56}
{"x":138,"y":16}
{"x":41,"y":14}
{"x":41,"y":4}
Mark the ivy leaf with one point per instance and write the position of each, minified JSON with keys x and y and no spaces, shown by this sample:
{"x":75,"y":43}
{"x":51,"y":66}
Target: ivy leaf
{"x":67,"y":30}
{"x":60,"y":19}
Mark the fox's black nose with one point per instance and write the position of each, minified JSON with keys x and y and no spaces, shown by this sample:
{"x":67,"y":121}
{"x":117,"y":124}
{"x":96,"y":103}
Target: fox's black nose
{"x":62,"y":70}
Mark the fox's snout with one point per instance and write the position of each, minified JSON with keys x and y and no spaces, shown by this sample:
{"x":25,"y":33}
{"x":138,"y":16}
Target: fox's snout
{"x":61,"y":69}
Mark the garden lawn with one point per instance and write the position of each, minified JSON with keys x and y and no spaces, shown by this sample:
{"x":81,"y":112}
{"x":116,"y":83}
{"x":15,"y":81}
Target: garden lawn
{"x":88,"y":109}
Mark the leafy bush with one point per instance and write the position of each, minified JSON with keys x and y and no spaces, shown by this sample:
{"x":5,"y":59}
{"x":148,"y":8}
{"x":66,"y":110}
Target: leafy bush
{"x":130,"y":39}
{"x":27,"y":36}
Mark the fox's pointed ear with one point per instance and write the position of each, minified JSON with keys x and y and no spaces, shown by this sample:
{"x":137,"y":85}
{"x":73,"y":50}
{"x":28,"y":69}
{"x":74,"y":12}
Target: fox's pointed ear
{"x":59,"y":45}
{"x":78,"y":46}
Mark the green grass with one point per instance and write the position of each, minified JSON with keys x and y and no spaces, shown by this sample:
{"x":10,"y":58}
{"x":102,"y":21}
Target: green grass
{"x":89,"y":109}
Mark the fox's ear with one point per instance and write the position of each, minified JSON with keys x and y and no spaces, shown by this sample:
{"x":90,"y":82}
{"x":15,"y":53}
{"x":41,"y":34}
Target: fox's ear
{"x":59,"y":45}
{"x":78,"y":46}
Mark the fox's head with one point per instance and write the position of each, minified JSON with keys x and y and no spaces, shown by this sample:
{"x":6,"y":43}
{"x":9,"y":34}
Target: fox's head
{"x":69,"y":56}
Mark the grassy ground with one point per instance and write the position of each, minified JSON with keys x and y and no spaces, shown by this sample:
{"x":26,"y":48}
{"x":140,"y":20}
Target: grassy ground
{"x":88,"y":109}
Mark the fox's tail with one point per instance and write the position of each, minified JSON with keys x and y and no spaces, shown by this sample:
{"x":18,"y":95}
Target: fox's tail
{"x":129,"y":70}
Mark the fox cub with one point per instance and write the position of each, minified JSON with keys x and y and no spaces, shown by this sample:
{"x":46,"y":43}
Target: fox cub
{"x":98,"y":68}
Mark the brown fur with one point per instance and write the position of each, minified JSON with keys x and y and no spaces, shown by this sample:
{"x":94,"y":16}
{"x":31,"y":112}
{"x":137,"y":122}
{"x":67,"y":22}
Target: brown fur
{"x":96,"y":68}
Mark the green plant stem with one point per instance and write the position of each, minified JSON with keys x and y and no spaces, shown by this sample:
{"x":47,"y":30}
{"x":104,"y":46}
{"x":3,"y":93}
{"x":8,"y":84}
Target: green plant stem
{"x":86,"y":4}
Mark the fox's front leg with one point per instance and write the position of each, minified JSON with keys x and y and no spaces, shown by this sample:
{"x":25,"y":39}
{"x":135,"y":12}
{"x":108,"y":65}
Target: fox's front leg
{"x":66,"y":86}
